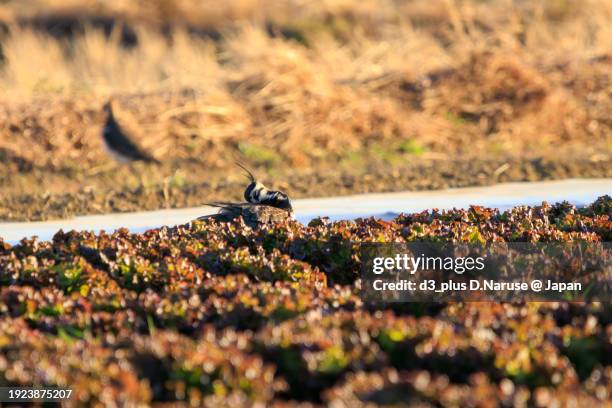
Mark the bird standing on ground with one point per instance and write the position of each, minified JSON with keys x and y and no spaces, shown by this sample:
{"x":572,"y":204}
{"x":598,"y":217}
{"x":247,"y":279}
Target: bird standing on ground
{"x":119,"y":139}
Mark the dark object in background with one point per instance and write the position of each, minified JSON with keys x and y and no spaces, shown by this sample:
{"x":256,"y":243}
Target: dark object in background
{"x":118,"y":136}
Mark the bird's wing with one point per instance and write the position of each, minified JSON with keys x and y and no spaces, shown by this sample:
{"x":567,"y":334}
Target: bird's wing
{"x":227,"y":207}
{"x":253,"y":214}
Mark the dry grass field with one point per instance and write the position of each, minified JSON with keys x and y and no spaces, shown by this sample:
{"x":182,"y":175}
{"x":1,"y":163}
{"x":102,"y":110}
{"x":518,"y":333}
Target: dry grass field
{"x":333,"y":96}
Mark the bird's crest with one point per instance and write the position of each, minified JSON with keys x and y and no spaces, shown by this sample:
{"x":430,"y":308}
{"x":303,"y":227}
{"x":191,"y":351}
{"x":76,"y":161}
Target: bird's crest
{"x":249,"y":174}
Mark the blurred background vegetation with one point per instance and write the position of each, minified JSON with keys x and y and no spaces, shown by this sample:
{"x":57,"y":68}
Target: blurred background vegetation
{"x":320,"y":97}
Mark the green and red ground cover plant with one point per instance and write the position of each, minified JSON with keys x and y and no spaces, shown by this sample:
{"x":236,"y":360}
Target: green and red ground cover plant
{"x":221,"y":314}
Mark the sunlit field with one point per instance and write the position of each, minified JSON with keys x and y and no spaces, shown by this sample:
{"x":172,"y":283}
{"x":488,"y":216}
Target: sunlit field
{"x":259,"y":305}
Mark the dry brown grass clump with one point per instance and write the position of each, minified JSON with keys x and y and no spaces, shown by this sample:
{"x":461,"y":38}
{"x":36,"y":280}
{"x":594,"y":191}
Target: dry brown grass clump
{"x":329,"y":84}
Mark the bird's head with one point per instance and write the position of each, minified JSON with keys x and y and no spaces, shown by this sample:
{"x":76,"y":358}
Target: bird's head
{"x":248,"y":192}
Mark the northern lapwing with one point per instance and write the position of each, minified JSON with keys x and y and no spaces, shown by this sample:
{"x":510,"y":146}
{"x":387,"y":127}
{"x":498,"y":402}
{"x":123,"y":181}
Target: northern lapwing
{"x":263,"y":206}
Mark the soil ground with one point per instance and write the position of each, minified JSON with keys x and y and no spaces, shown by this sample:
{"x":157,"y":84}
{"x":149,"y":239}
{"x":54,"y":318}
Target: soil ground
{"x":311,"y":182}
